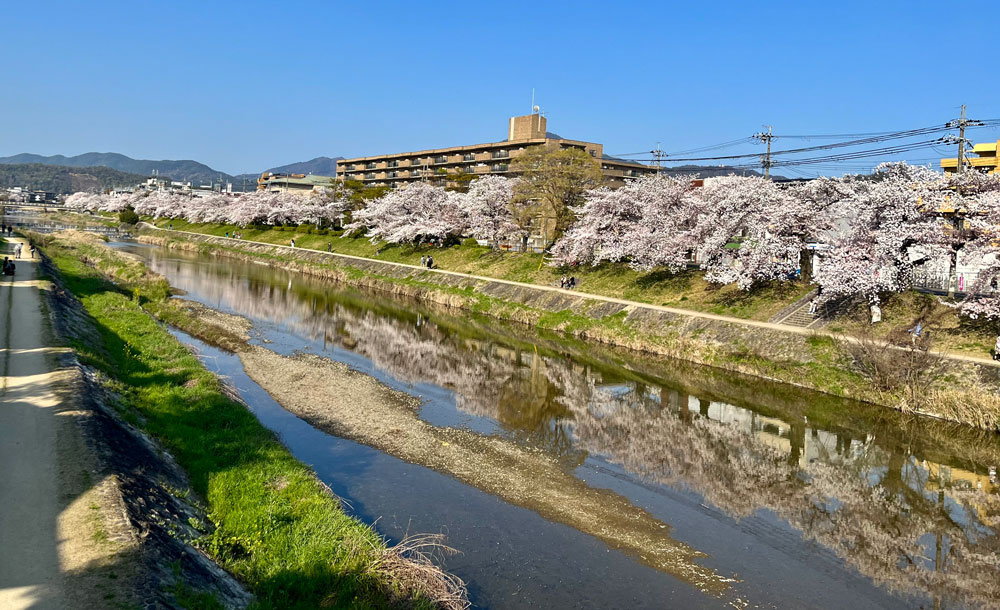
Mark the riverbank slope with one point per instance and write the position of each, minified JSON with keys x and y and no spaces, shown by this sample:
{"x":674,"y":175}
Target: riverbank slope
{"x":957,"y":388}
{"x":266,"y":517}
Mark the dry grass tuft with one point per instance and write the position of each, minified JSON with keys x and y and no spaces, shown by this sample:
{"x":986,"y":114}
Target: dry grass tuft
{"x":413,"y":567}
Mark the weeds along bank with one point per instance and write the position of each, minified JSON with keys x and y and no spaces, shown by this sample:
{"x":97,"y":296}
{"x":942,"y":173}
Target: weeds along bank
{"x":269,"y":521}
{"x":864,"y":370}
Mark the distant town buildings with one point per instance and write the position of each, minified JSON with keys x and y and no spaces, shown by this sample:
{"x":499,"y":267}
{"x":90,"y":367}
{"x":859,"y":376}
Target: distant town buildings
{"x":25,"y":195}
{"x":292,"y":183}
{"x":984,"y":161}
{"x":156,"y":183}
{"x":523,"y":132}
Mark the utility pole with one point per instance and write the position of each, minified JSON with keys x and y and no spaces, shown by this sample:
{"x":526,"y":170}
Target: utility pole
{"x":658,"y":155}
{"x":962,"y":122}
{"x":765,"y":160}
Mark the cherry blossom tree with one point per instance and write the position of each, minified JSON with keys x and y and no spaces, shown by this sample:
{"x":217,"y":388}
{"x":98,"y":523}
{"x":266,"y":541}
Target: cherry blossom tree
{"x":411,"y":213}
{"x":749,"y":230}
{"x":884,"y":225}
{"x":487,"y":209}
{"x":645,"y":223}
{"x":973,"y":211}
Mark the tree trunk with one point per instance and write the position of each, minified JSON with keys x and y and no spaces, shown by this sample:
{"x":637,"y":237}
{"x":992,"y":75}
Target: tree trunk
{"x":806,"y":265}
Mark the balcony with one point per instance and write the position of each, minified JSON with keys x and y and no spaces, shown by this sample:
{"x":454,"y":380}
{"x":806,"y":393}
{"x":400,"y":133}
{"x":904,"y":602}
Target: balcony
{"x":500,"y":154}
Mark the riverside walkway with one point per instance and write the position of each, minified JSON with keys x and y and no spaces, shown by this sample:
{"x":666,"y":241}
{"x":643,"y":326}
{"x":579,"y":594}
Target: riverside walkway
{"x":799,"y":330}
{"x":29,"y":466}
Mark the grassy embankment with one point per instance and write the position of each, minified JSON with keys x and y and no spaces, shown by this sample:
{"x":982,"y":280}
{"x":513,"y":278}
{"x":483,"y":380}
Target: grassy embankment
{"x":961,"y":393}
{"x":685,"y":290}
{"x":688,"y":290}
{"x":276,"y":526}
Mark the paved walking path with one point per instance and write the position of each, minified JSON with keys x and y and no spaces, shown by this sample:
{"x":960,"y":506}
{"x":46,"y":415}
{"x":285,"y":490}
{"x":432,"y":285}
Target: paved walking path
{"x":682,"y":312}
{"x":29,"y":470}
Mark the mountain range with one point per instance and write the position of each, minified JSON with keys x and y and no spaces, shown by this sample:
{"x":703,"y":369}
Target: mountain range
{"x":183,"y":170}
{"x":135,"y":170}
{"x":62,"y":180}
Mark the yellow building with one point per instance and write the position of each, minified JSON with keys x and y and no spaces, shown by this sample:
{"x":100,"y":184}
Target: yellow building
{"x":984,"y":161}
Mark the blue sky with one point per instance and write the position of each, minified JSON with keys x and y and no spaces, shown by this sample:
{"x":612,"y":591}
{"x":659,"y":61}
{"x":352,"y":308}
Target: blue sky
{"x":243,"y":86}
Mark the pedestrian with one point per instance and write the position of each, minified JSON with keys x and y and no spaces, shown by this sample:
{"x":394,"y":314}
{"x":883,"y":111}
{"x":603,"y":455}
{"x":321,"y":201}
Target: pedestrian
{"x":329,"y":246}
{"x":17,"y":251}
{"x":32,"y":252}
{"x":423,"y":261}
{"x":876,"y":313}
{"x":996,"y":349}
{"x":916,"y":332}
{"x":293,"y":243}
{"x":572,"y":282}
{"x":227,"y":234}
{"x":430,"y":262}
{"x":813,"y":304}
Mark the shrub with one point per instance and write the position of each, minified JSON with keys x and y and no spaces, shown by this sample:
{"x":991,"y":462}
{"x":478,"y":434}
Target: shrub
{"x":128,"y":216}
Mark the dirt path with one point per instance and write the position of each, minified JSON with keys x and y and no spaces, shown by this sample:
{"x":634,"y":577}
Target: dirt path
{"x":29,"y":467}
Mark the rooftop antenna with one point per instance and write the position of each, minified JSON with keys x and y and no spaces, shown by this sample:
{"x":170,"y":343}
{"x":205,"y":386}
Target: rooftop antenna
{"x":534,"y":108}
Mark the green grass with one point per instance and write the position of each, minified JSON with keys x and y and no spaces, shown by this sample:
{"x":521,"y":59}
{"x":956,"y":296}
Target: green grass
{"x":277,"y":529}
{"x":686,"y":290}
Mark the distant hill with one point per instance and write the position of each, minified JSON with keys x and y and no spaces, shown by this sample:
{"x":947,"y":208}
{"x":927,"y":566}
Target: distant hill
{"x":713,"y":171}
{"x":320,"y":166}
{"x":63,"y":180}
{"x":184,"y":171}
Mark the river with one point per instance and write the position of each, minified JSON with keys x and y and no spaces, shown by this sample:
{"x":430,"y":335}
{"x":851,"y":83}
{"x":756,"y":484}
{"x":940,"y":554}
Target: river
{"x":785,"y":498}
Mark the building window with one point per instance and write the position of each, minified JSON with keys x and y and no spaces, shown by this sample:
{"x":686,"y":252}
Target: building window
{"x":468,"y":157}
{"x":498,"y":167}
{"x":500,"y":154}
{"x":414,"y":162}
{"x":441,"y":159}
{"x":415,"y":173}
{"x":370,"y":176}
{"x":393,"y":174}
{"x":394,"y":163}
{"x":370,"y":165}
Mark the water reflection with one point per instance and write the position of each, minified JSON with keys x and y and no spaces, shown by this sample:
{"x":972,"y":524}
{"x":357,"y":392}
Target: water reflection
{"x":913,"y":505}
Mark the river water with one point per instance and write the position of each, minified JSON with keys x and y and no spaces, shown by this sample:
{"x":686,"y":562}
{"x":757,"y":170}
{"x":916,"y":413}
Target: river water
{"x":785,"y":498}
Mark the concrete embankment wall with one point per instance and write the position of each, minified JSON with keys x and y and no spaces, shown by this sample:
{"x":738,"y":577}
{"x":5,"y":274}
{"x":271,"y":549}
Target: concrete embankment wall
{"x":786,"y":354}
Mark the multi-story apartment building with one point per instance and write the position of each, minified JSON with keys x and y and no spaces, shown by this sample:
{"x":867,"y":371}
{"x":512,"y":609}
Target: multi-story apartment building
{"x":986,"y":159}
{"x":303,"y":184}
{"x":480,"y":159}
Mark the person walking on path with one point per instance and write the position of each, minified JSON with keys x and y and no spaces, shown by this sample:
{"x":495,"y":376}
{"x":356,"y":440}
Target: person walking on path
{"x":916,"y":332}
{"x":423,"y":261}
{"x":814,"y":303}
{"x":17,"y":251}
{"x":430,"y":262}
{"x":876,"y":313}
{"x":293,"y":243}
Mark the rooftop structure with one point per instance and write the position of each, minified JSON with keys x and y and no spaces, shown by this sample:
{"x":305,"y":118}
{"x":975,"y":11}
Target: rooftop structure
{"x":985,"y":161}
{"x":448,"y":164}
